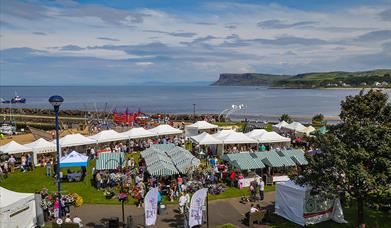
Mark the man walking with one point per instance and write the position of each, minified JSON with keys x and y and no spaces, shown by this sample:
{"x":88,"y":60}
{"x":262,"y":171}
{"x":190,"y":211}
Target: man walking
{"x":261,"y":189}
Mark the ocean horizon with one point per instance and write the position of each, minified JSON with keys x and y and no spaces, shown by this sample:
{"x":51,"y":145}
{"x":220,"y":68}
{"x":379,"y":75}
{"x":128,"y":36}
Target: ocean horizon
{"x":179,"y":99}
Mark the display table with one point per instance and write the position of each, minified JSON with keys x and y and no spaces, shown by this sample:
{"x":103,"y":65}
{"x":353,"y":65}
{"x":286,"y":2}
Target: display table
{"x":246,"y":181}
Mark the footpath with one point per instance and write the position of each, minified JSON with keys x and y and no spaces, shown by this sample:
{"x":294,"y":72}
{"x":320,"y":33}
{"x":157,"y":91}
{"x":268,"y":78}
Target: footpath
{"x":220,"y":212}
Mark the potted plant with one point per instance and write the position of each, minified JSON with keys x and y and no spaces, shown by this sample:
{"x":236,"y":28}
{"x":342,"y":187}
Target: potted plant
{"x":122,"y":196}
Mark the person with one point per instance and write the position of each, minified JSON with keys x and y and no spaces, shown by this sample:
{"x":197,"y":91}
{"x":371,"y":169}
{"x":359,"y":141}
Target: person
{"x":12,"y":161}
{"x":24,"y":163}
{"x":261,"y":189}
{"x":92,"y":151}
{"x":253,"y":209}
{"x":232,"y":177}
{"x":48,"y":168}
{"x":159,"y":201}
{"x":182,"y":203}
{"x":56,"y":207}
{"x":240,"y":183}
{"x":30,"y":162}
{"x":77,"y":220}
{"x":180,"y":182}
{"x":187,"y":195}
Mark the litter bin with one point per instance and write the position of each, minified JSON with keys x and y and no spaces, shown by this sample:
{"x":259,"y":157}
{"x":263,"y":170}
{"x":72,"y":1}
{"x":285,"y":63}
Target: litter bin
{"x":162,"y":209}
{"x":114,"y":222}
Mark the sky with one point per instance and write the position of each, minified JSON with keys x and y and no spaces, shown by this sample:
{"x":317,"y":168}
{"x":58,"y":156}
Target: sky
{"x":64,"y":42}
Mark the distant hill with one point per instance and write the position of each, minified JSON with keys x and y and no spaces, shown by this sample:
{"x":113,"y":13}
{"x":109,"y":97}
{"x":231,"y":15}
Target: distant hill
{"x":373,"y":78}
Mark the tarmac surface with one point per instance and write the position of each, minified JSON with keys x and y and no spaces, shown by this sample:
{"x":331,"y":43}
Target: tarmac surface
{"x":220,"y":212}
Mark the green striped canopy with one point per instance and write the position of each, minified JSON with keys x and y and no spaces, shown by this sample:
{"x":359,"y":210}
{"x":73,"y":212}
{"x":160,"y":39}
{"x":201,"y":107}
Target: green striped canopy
{"x":297,"y":156}
{"x":108,"y":160}
{"x":244,"y":161}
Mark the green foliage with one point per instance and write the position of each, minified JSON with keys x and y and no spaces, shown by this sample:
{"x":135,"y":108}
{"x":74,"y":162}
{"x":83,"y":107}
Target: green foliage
{"x":318,"y":119}
{"x":285,"y":117}
{"x":355,"y":158}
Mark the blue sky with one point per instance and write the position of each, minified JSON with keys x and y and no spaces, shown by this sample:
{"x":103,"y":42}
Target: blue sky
{"x":129,"y":42}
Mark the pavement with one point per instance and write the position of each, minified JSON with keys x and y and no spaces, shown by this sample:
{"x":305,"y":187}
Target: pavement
{"x":220,"y":212}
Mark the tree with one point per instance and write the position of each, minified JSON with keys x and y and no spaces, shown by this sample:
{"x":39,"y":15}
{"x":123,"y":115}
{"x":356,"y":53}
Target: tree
{"x":285,"y":117}
{"x":318,"y":119}
{"x":356,"y":154}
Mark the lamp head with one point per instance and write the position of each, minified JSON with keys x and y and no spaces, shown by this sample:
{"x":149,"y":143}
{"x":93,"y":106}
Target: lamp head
{"x":56,"y":101}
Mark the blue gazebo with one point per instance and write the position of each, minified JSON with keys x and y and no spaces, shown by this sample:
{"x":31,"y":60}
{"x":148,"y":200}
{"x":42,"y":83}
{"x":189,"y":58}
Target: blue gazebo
{"x":73,"y":159}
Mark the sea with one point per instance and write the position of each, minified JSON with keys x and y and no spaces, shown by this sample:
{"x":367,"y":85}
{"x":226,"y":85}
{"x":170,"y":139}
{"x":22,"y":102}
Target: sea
{"x":255,"y":100}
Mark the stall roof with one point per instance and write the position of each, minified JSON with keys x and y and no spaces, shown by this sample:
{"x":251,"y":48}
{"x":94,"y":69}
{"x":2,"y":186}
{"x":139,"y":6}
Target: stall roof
{"x":244,"y":161}
{"x":237,"y":138}
{"x":222,"y":133}
{"x":206,"y":139}
{"x":295,"y":126}
{"x":75,"y":140}
{"x":202,"y":125}
{"x":165,"y":129}
{"x":296,"y":155}
{"x":8,"y":199}
{"x":137,"y":133}
{"x":281,"y":124}
{"x":14,"y":148}
{"x":255,"y":132}
{"x":108,"y":136}
{"x":41,"y":146}
{"x":110,"y":160}
{"x":271,"y":137}
{"x":73,"y":159}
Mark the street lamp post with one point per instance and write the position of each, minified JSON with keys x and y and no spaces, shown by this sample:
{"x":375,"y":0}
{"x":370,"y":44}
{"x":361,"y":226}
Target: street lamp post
{"x":56,"y":101}
{"x":194,"y":118}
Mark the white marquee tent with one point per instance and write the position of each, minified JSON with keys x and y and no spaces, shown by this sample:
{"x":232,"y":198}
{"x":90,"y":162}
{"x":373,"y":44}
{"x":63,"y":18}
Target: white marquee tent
{"x":17,"y":209}
{"x":222,"y":133}
{"x":271,"y":137}
{"x":202,"y":125}
{"x":75,"y":140}
{"x":108,"y":136}
{"x":137,"y":133}
{"x":295,"y":203}
{"x":295,"y":126}
{"x":280,"y":125}
{"x":206,"y":139}
{"x":41,"y":146}
{"x":165,"y":129}
{"x":14,"y":148}
{"x":307,"y":130}
{"x":255,"y":132}
{"x":237,"y":138}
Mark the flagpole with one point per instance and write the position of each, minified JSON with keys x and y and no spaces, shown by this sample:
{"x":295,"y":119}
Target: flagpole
{"x":207,"y":210}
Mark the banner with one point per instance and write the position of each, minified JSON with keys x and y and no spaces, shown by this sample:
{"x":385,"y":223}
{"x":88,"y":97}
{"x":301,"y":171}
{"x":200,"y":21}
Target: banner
{"x":150,"y":206}
{"x":197,"y":202}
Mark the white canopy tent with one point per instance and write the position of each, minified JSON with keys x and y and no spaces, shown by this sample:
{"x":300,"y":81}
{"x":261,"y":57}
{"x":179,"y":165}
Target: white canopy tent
{"x":222,"y":133}
{"x":295,"y":203}
{"x":307,"y":131}
{"x":17,"y":209}
{"x":41,"y":146}
{"x":137,"y":133}
{"x":280,"y":125}
{"x":73,"y":159}
{"x":75,"y":140}
{"x":255,"y":132}
{"x":295,"y":126}
{"x":237,"y":138}
{"x":14,"y":148}
{"x":271,"y":137}
{"x":165,"y":129}
{"x":197,"y":127}
{"x":108,"y":136}
{"x":202,"y":125}
{"x":206,"y":139}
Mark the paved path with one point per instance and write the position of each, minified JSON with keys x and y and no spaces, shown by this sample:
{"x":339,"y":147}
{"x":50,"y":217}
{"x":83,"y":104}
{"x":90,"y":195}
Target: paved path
{"x":220,"y":212}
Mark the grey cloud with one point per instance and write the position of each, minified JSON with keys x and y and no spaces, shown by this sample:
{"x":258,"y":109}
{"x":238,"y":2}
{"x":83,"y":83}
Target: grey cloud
{"x":200,"y":41}
{"x":109,"y":15}
{"x":24,"y":10}
{"x":291,"y":53}
{"x":234,"y":40}
{"x":278,"y":24}
{"x":107,"y":38}
{"x":177,"y":34}
{"x":230,"y":26}
{"x":375,"y":36}
{"x":71,"y":48}
{"x":40,"y":33}
{"x":205,"y":23}
{"x":385,"y":15}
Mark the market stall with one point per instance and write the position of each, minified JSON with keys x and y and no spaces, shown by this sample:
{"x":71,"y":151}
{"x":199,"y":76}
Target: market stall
{"x":41,"y":147}
{"x":17,"y":209}
{"x":165,"y":129}
{"x":137,"y":133}
{"x":14,"y":148}
{"x":73,"y":140}
{"x":108,"y":136}
{"x":199,"y":127}
{"x":296,"y":204}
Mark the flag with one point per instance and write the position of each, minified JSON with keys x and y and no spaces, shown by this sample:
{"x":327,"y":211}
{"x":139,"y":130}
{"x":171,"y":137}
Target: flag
{"x":150,"y":207}
{"x":197,"y":202}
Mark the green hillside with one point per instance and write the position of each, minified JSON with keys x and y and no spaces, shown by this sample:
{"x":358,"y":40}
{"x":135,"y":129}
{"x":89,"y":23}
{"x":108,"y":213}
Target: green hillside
{"x":373,"y":78}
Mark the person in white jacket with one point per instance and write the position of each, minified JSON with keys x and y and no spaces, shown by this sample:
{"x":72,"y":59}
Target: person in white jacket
{"x":182,"y":203}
